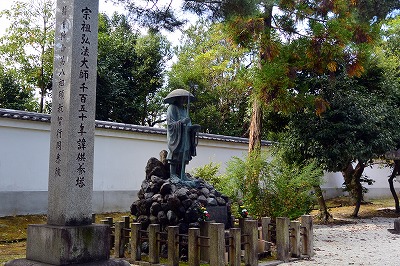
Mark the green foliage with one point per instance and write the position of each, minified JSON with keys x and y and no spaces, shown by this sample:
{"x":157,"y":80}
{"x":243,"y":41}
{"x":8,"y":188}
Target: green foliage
{"x":213,"y":69}
{"x":388,"y":54}
{"x":13,"y":96}
{"x":271,"y":187}
{"x":232,"y":182}
{"x":359,"y":123}
{"x":130,"y":72}
{"x":27,"y":46}
{"x":289,"y":190}
{"x":355,"y":123}
{"x":208,"y":172}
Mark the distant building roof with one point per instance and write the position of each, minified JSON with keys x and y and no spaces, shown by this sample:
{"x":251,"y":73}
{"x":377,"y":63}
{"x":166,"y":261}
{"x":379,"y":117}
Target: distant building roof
{"x":32,"y":116}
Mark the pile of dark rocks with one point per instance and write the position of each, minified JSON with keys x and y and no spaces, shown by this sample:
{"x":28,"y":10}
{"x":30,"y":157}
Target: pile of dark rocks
{"x":162,"y":200}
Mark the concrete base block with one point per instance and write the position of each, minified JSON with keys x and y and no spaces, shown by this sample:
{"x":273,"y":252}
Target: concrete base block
{"x":110,"y":262}
{"x":397,"y":225}
{"x":63,"y":245}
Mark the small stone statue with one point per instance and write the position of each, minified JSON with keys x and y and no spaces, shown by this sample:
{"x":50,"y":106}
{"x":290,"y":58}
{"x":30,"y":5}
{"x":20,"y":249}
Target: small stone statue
{"x":181,"y":134}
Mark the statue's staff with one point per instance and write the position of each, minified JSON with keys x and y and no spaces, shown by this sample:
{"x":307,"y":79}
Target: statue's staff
{"x":185,"y":127}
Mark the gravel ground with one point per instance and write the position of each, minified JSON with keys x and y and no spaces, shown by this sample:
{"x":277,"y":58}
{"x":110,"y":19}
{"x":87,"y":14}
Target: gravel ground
{"x":359,"y":242}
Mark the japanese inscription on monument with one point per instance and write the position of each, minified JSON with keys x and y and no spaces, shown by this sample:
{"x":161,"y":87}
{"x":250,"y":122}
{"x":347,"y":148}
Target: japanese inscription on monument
{"x":73,"y":114}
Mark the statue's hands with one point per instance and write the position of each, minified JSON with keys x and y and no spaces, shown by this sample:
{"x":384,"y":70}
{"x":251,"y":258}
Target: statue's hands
{"x":186,"y":120}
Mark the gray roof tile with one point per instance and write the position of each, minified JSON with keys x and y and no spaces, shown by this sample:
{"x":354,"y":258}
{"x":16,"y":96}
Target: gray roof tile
{"x":32,"y":116}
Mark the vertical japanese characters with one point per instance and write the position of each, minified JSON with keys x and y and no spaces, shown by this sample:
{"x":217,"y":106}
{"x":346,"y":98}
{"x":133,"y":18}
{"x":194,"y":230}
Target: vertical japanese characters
{"x":59,"y":91}
{"x":85,"y":53}
{"x":62,"y":91}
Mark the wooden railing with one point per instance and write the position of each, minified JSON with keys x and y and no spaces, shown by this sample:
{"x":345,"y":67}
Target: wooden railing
{"x":293,"y":239}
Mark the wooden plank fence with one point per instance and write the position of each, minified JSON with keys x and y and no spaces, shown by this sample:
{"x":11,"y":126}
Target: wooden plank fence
{"x":293,"y":239}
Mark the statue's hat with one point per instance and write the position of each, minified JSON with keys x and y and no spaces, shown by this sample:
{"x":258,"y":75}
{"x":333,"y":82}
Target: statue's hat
{"x":171,"y":97}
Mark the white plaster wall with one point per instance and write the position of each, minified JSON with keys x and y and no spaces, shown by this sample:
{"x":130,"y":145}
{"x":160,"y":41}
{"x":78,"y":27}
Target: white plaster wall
{"x":333,"y":183}
{"x":119,"y":162}
{"x":380,"y":188}
{"x":119,"y":166}
{"x":121,"y":157}
{"x":24,"y":155}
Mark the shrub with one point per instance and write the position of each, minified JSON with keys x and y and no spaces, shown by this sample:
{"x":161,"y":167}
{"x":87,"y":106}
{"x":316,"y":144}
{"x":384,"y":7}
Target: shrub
{"x":265,"y":184}
{"x":208,"y":172}
{"x":272,"y":187}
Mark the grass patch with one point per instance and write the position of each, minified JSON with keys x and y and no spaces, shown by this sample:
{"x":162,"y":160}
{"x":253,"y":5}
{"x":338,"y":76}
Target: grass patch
{"x":342,"y":207}
{"x":13,"y":228}
{"x":12,"y":251}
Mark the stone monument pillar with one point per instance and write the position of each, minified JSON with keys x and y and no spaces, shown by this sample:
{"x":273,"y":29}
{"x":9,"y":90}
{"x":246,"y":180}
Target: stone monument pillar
{"x":73,"y":113}
{"x":69,"y":237}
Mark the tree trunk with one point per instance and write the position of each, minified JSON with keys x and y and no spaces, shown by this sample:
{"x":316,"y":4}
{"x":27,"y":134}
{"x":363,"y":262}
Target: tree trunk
{"x":323,"y":210}
{"x":358,"y":190}
{"x":255,"y":127}
{"x":264,"y":56}
{"x":41,"y":104}
{"x":396,"y":169}
{"x":352,"y":179}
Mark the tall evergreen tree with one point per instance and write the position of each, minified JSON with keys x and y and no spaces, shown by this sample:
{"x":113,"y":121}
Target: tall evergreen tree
{"x":130,"y":72}
{"x":13,"y":95}
{"x":287,"y":36}
{"x":211,"y":66}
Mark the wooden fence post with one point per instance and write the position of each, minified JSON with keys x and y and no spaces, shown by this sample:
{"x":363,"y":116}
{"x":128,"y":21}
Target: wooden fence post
{"x":135,"y":242}
{"x":282,"y":238}
{"x":119,"y":239}
{"x":266,"y":233}
{"x":127,"y":221}
{"x":234,"y":247}
{"x":308,"y":238}
{"x":110,"y":222}
{"x":154,"y":250}
{"x":193,"y":247}
{"x":217,"y":244}
{"x":295,"y":239}
{"x":125,"y":232}
{"x":250,"y":229}
{"x":204,"y":250}
{"x":173,"y":245}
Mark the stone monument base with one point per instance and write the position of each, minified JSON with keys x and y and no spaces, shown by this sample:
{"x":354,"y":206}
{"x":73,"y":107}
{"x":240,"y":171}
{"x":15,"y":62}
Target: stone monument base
{"x":64,"y":245}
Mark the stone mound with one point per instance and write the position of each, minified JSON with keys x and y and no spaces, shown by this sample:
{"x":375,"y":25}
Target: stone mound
{"x":168,"y":202}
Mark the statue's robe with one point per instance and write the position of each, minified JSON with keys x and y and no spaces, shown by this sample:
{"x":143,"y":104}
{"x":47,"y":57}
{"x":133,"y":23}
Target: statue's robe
{"x":181,"y":146}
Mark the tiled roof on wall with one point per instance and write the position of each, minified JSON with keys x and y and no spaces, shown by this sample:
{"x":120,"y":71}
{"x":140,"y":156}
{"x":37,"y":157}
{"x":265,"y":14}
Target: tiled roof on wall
{"x":32,"y":116}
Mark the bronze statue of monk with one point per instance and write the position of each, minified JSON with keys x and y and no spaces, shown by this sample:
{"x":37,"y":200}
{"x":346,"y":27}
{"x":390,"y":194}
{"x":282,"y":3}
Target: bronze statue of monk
{"x":181,"y":134}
